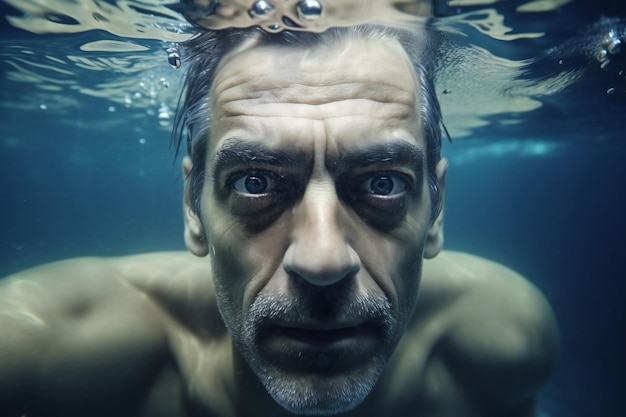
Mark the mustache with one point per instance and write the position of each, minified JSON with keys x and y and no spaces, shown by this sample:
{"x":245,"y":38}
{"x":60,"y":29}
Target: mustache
{"x":320,"y":307}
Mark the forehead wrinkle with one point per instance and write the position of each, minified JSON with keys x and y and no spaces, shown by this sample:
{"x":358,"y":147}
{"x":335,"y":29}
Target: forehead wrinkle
{"x":316,"y":102}
{"x":271,"y":74}
{"x":316,"y":66}
{"x":257,"y":93}
{"x":270,"y":82}
{"x":327,"y":111}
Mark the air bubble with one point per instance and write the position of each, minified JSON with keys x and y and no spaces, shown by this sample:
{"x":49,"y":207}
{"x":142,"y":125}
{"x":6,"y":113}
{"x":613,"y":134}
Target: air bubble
{"x":112,"y":109}
{"x":142,"y":141}
{"x":43,"y":107}
{"x":128,"y":102}
{"x":173,"y":57}
{"x":614,"y":47}
{"x":309,"y":9}
{"x":613,"y":42}
{"x":164,"y":82}
{"x":260,"y":9}
{"x":164,"y":115}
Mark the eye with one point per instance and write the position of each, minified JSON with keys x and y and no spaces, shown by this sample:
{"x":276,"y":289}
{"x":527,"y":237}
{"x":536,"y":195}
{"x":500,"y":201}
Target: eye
{"x":381,"y":198}
{"x":385,"y":184}
{"x":257,"y":197}
{"x":254,"y":183}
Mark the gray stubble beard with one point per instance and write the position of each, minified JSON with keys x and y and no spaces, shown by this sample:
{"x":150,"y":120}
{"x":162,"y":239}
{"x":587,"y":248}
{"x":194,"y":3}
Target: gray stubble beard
{"x":312,"y":393}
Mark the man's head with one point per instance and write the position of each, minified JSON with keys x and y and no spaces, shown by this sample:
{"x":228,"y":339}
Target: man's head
{"x":315,"y":188}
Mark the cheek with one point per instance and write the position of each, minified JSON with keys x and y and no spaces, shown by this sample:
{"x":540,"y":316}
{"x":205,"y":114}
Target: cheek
{"x":410,"y":265}
{"x":244,"y":263}
{"x":225,"y":248}
{"x":395,"y":264}
{"x":408,"y":282}
{"x":229,"y":279}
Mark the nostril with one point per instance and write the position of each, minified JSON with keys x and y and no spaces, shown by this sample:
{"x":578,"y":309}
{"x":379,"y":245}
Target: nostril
{"x":321,"y":278}
{"x":322,"y":268}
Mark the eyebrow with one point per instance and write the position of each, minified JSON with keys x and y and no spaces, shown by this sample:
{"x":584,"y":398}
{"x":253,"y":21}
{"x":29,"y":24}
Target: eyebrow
{"x":394,"y":153}
{"x":237,"y":152}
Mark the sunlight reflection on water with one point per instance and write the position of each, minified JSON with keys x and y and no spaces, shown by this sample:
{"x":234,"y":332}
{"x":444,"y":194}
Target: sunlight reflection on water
{"x":118,"y":52}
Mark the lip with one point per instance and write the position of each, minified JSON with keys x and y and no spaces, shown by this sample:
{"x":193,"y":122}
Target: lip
{"x":327,"y":348}
{"x":322,"y":336}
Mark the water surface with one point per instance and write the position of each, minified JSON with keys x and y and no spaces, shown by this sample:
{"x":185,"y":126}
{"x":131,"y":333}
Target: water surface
{"x":533,"y":94}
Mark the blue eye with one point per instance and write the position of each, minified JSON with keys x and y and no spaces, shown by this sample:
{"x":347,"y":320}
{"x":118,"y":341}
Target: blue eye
{"x":254,"y":184}
{"x":385,"y":184}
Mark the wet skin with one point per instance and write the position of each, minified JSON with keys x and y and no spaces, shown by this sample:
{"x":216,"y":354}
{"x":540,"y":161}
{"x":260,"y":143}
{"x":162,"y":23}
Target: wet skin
{"x":316,"y":189}
{"x":316,"y":217}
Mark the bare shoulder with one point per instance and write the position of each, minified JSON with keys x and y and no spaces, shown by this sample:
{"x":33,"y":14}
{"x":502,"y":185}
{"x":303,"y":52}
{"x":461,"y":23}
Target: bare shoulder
{"x":92,"y":324}
{"x":179,"y":285}
{"x":66,"y":289}
{"x":498,"y":327}
{"x":73,"y":286}
{"x":473,"y":288}
{"x":81,"y":301}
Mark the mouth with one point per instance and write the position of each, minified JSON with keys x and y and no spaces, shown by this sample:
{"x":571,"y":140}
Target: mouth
{"x":323,"y":338}
{"x":296,"y":335}
{"x":312,"y":348}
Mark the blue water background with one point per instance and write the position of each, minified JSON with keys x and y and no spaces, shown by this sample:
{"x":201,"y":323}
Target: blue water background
{"x":557,"y":218}
{"x":549,"y":205}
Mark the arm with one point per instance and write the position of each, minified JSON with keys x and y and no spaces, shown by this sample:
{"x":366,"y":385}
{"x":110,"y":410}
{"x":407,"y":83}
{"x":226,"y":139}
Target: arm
{"x":75,"y":339}
{"x":503,"y":340}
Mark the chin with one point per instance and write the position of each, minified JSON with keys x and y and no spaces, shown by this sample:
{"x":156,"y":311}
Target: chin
{"x":318,"y":392}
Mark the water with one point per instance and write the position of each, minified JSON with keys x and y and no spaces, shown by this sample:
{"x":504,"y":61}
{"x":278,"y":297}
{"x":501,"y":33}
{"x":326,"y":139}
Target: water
{"x":537,"y":115}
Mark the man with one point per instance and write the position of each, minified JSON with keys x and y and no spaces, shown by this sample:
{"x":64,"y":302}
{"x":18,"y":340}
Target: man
{"x":314,"y":189}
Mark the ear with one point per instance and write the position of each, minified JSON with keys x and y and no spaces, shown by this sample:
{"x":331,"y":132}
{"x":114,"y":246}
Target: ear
{"x":195,"y":238}
{"x":434,"y":238}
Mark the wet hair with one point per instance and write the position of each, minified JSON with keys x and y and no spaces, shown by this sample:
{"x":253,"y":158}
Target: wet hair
{"x":206,"y":50}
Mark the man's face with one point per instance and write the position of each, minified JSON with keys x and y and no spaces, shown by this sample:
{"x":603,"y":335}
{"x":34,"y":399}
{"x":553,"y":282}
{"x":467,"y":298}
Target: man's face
{"x":315,"y":207}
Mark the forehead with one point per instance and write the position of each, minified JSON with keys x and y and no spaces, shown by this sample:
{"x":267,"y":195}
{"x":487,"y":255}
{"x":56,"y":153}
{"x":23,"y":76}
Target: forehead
{"x":358,"y":82}
{"x":329,"y":63}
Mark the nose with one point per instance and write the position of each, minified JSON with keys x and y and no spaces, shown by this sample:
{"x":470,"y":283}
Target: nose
{"x":319,"y":251}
